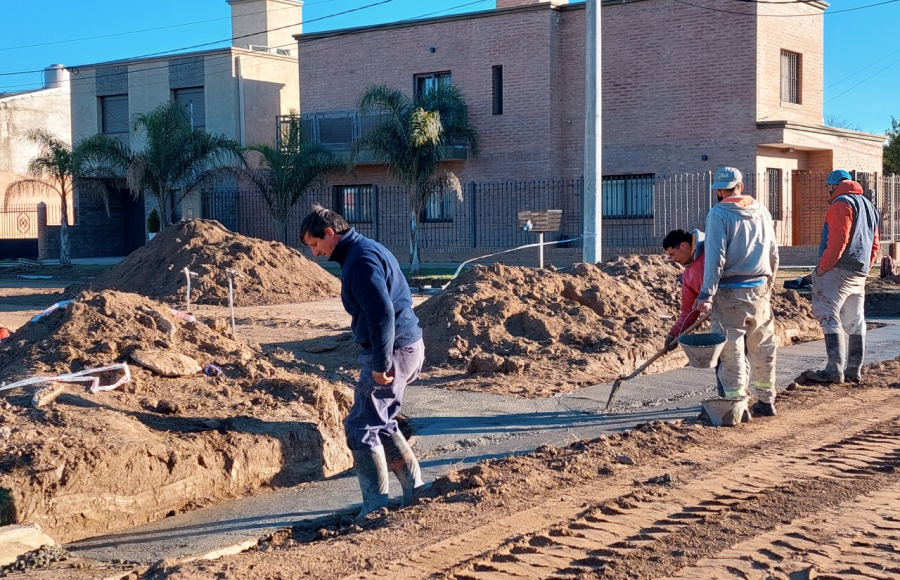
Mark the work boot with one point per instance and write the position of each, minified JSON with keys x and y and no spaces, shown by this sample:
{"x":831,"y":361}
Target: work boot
{"x":760,"y":409}
{"x":372,"y":472}
{"x":856,"y":348}
{"x":402,"y":461}
{"x":834,"y":369}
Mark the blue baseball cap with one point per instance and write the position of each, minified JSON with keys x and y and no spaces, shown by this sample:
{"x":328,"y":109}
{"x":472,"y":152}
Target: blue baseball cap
{"x":837,"y":176}
{"x":727,"y":178}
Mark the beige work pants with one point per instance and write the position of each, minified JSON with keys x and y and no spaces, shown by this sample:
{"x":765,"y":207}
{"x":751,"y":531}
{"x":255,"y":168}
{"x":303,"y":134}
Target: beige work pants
{"x":744,"y":316}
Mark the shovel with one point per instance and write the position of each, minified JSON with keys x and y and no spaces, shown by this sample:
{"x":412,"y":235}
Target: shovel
{"x":618,"y":382}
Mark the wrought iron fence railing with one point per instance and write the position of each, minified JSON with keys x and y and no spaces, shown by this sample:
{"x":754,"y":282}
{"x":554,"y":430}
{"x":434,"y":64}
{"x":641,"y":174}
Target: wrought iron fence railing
{"x":641,"y":211}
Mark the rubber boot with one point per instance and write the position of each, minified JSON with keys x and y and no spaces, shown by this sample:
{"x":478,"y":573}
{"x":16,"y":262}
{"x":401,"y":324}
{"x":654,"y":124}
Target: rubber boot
{"x":760,"y":409}
{"x":372,"y":472}
{"x":856,"y":348}
{"x":834,"y":369}
{"x":403,"y":463}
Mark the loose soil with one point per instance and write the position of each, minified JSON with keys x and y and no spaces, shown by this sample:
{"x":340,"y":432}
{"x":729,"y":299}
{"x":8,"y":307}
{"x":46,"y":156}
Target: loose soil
{"x":272,"y":273}
{"x":93,"y":463}
{"x":811,"y":493}
{"x":536,"y":333}
{"x":764,"y":491}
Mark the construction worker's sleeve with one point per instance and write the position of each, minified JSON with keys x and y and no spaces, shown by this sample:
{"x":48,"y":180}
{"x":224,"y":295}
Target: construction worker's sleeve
{"x":838,"y":221}
{"x":714,"y":248}
{"x":876,"y":244}
{"x":690,"y":289}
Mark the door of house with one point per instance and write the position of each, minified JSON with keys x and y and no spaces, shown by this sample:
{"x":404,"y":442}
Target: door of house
{"x":799,"y":184}
{"x":134,"y":222}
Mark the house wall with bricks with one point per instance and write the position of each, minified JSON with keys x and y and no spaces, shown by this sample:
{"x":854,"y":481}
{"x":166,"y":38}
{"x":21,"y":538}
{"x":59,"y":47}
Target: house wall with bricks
{"x":686,"y":89}
{"x":678,"y":95}
{"x":522,"y":143}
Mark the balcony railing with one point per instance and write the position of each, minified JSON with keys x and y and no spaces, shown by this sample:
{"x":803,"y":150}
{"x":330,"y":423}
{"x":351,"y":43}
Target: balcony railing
{"x":338,"y":132}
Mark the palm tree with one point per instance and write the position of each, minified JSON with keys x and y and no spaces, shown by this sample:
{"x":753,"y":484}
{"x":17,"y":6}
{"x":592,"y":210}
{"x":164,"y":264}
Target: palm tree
{"x":413,"y":138}
{"x":58,"y":168}
{"x":177,"y":160}
{"x":286,"y":173}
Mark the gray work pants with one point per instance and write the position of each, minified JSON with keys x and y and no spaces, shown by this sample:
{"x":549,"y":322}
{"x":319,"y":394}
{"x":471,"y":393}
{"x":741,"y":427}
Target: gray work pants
{"x":838,"y":300}
{"x":376,"y":406}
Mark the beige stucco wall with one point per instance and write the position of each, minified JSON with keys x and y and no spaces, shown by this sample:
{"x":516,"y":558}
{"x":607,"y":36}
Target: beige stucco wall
{"x":275,"y":17}
{"x":85,"y":107}
{"x":220,"y":91}
{"x":148,"y":86}
{"x":271,"y":87}
{"x":46,"y":109}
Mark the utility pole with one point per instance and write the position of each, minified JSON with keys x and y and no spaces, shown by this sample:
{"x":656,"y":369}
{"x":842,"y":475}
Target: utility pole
{"x":593,"y":144}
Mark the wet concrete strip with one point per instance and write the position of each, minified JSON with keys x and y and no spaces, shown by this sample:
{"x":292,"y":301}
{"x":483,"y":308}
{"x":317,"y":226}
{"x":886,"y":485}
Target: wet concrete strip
{"x":453,"y":430}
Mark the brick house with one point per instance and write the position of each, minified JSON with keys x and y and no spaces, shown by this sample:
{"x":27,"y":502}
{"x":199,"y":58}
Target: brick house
{"x":237,"y":91}
{"x":686,"y":89}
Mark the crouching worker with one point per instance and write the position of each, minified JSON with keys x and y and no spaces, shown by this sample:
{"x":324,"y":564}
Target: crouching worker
{"x":848,"y":250}
{"x":686,"y":249}
{"x":376,"y":295}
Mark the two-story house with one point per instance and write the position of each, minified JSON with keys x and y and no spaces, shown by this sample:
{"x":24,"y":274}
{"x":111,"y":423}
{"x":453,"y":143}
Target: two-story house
{"x":687,"y":87}
{"x":238,"y":91}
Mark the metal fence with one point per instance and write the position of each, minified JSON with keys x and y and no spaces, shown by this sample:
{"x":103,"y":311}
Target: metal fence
{"x":640,"y":211}
{"x":19,"y":221}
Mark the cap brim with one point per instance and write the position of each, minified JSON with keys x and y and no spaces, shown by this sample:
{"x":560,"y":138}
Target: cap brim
{"x":725,"y":184}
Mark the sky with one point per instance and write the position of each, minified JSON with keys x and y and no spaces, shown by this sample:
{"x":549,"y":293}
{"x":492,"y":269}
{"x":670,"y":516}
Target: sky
{"x":862,"y":47}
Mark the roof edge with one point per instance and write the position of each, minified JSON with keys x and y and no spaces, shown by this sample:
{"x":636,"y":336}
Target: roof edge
{"x":537,"y":7}
{"x":177,"y":55}
{"x":821,"y":129}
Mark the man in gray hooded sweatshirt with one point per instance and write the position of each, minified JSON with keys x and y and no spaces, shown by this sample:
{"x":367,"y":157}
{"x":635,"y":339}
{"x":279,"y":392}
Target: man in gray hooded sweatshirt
{"x":741,"y":261}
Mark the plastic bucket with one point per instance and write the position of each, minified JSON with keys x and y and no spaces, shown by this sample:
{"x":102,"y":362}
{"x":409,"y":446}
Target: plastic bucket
{"x":702,"y":349}
{"x":727,"y":412}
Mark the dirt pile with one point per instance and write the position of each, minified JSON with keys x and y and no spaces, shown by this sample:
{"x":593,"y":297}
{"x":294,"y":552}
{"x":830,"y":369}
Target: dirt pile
{"x":87,"y":464}
{"x":272,"y":272}
{"x":558,"y":330}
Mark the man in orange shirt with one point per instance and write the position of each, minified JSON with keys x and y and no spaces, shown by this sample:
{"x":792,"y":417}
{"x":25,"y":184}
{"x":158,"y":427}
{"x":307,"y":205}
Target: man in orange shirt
{"x":847,"y":252}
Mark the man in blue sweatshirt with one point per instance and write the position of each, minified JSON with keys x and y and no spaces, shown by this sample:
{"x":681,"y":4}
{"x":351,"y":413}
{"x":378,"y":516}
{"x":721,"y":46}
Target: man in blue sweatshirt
{"x":375,"y":294}
{"x":741,"y":261}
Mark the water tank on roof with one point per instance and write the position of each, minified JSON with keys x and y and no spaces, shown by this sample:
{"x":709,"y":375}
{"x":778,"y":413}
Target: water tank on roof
{"x":56,"y":76}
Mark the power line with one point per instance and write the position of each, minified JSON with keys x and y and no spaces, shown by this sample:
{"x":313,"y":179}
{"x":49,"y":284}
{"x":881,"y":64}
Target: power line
{"x":228,"y":56}
{"x":862,"y":81}
{"x":862,"y":69}
{"x":113,"y":34}
{"x":232,"y":39}
{"x":262,"y":60}
{"x":827,"y":12}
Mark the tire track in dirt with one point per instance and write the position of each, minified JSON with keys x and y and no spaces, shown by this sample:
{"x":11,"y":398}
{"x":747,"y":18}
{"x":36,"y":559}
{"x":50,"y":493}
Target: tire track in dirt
{"x":654,"y":531}
{"x":856,"y":539}
{"x":590,"y":529}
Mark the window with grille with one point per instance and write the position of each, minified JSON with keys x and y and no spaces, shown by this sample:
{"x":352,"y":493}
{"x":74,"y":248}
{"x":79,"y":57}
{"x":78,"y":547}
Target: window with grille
{"x":775,"y":187}
{"x":194,"y":100}
{"x":790,"y":77}
{"x":354,"y":202}
{"x":427,"y":81}
{"x":628,"y":196}
{"x":438,"y":208}
{"x":114,"y":115}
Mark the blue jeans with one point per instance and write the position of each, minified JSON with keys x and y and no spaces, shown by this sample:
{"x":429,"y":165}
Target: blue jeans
{"x":375,"y":406}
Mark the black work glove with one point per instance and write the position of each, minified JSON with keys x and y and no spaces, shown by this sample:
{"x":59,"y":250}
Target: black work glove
{"x":671,"y":342}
